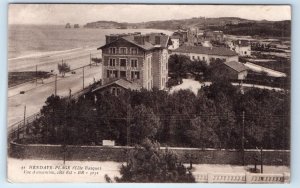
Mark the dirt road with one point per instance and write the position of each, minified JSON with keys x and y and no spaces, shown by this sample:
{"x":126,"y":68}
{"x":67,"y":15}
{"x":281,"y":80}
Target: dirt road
{"x":36,"y":94}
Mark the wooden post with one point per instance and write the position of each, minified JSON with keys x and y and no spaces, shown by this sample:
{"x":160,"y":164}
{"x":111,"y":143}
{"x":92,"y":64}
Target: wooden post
{"x":191,"y":161}
{"x":90,"y":60}
{"x":83,"y":77}
{"x":35,"y":74}
{"x":261,"y":160}
{"x":55,"y":85}
{"x":128,"y":125}
{"x":243,"y":137}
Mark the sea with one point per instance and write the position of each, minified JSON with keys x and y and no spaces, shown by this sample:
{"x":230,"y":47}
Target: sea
{"x":34,"y":40}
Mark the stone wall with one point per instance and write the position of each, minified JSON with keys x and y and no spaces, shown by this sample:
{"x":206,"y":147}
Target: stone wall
{"x":119,"y":153}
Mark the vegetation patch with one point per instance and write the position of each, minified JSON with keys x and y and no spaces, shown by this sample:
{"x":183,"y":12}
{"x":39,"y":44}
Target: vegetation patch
{"x":16,"y":78}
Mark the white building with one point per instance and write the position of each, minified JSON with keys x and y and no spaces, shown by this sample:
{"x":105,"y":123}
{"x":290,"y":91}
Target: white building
{"x":241,"y":47}
{"x":175,"y":43}
{"x":207,"y":54}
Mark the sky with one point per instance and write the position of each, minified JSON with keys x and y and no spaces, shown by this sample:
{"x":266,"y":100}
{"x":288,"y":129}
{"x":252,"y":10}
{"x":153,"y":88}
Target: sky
{"x":83,"y":13}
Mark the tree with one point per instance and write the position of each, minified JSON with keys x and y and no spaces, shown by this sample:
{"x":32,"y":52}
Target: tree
{"x":216,"y":72}
{"x":63,"y":68}
{"x":198,"y":68}
{"x":202,"y":130}
{"x":178,"y":65}
{"x":52,"y":120}
{"x":265,"y":111}
{"x":111,"y":115}
{"x":226,"y":130}
{"x":148,"y":163}
{"x":183,"y":109}
{"x":144,"y":124}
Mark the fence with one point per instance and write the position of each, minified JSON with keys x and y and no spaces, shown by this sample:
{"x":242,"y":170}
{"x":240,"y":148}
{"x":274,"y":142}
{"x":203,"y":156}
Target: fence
{"x":249,"y":178}
{"x":19,"y":129}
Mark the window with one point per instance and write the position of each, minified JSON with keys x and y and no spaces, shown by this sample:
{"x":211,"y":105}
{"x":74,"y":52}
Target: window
{"x":149,"y":66}
{"x":112,"y":62}
{"x":163,"y":82}
{"x":123,"y":62}
{"x":113,"y":91}
{"x":115,"y":74}
{"x":118,"y":91}
{"x":123,"y":74}
{"x":203,"y":58}
{"x":133,"y":62}
{"x":135,"y":74}
{"x":112,"y":74}
{"x":123,"y":50}
{"x":112,"y":50}
{"x":193,"y":57}
{"x":134,"y":51}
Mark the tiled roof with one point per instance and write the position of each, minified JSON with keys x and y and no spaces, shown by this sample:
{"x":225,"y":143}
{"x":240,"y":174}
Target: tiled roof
{"x":206,"y":50}
{"x":122,"y":83}
{"x":237,"y":66}
{"x":146,"y":45}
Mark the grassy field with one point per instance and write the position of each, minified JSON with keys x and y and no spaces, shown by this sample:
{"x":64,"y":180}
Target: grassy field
{"x":16,"y":78}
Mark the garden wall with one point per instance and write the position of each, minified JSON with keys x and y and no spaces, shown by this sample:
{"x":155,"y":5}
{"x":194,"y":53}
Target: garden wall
{"x":119,"y":154}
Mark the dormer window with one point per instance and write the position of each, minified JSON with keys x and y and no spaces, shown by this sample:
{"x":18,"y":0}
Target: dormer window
{"x":134,"y":51}
{"x":123,"y":50}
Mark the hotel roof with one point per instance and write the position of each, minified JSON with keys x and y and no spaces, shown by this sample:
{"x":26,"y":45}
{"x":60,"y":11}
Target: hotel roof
{"x":146,"y":45}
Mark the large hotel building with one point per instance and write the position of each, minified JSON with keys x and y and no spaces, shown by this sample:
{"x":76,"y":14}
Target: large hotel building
{"x":140,"y":59}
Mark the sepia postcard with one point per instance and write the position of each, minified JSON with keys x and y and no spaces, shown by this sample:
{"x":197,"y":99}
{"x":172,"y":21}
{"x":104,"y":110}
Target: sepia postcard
{"x":149,"y":93}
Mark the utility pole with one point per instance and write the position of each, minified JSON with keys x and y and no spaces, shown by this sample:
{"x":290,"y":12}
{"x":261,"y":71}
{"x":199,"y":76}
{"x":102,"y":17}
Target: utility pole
{"x":128,"y":125}
{"x":90,"y":59}
{"x":243,"y":137}
{"x":83,"y":77}
{"x":261,"y":160}
{"x":24,"y":124}
{"x":55,"y":85}
{"x":35,"y":74}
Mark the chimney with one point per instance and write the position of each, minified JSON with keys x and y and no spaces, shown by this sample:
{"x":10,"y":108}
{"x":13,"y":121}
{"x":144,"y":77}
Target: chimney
{"x":110,"y":38}
{"x":139,"y":39}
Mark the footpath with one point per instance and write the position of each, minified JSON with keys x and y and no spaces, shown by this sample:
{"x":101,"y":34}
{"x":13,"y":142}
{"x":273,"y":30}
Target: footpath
{"x":94,"y":171}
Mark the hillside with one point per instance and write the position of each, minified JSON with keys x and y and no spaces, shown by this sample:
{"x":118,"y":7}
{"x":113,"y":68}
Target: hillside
{"x":105,"y":25}
{"x":259,"y":28}
{"x":201,"y":22}
{"x":230,"y":25}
